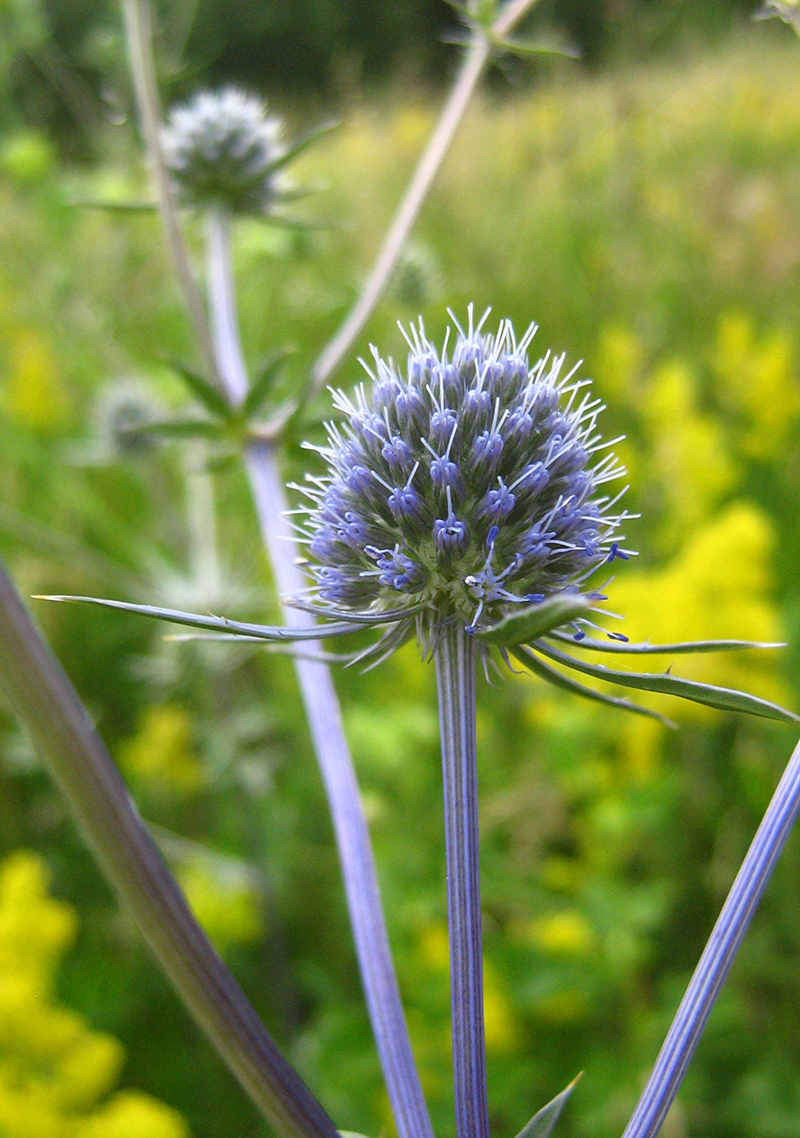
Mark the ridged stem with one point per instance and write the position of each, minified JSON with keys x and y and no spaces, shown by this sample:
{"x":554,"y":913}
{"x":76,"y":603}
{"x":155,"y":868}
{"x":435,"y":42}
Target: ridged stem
{"x":48,"y":706}
{"x":718,"y":955}
{"x":475,"y":61}
{"x":325,"y":723}
{"x":455,"y":678}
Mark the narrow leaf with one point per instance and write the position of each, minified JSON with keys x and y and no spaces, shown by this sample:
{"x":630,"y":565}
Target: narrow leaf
{"x":200,"y":387}
{"x":566,"y":683}
{"x":683,"y":648}
{"x":260,"y":388}
{"x":533,"y":621}
{"x":216,"y":623}
{"x":385,"y":617}
{"x":530,"y":48}
{"x":724,"y":699}
{"x":300,"y":144}
{"x":542,"y":1123}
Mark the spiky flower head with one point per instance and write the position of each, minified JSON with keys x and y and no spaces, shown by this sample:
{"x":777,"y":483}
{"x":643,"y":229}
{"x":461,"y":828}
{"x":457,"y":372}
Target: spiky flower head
{"x":223,"y":150}
{"x":470,"y":489}
{"x":464,"y":487}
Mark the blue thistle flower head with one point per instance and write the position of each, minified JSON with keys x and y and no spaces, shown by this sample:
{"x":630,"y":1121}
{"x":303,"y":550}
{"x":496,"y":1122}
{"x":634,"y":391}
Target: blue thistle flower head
{"x":466,"y":486}
{"x":471,"y":488}
{"x":222,"y":148}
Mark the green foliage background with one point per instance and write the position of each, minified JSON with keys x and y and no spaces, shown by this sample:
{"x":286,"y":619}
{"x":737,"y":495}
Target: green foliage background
{"x":648,"y":218}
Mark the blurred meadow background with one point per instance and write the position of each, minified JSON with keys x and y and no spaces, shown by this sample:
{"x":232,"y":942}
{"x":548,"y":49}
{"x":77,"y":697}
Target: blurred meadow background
{"x":643,"y":206}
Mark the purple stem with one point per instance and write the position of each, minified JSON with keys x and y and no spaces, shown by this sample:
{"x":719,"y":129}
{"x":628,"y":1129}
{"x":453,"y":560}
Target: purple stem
{"x":325,"y":722}
{"x":455,"y":678}
{"x":718,"y":955}
{"x":49,"y":707}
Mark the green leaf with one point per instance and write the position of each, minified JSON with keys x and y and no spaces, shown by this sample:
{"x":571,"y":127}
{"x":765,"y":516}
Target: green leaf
{"x":176,"y":429}
{"x":724,"y":699}
{"x":212,"y":399}
{"x":566,"y":683}
{"x":217,"y":623}
{"x":683,"y":648}
{"x":542,"y":1123}
{"x":260,"y":388}
{"x":530,"y":48}
{"x":300,"y":144}
{"x":529,"y":623}
{"x":220,"y":462}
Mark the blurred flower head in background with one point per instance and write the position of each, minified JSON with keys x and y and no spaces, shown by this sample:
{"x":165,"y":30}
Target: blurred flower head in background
{"x":221,"y":148}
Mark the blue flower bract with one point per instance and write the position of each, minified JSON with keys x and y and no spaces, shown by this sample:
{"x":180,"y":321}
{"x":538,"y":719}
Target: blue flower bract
{"x":462,"y":488}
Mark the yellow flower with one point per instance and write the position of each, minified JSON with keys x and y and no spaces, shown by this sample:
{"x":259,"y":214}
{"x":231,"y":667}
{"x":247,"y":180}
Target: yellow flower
{"x":224,"y":902}
{"x":161,"y":753}
{"x":53,"y":1068}
{"x":562,"y":934}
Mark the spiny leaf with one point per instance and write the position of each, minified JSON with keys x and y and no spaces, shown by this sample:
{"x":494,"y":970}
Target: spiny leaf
{"x":300,"y":144}
{"x":566,"y":683}
{"x":542,"y":1123}
{"x":260,"y":388}
{"x":216,"y":623}
{"x":529,"y":623}
{"x":213,"y":401}
{"x":724,"y":699}
{"x":683,"y":648}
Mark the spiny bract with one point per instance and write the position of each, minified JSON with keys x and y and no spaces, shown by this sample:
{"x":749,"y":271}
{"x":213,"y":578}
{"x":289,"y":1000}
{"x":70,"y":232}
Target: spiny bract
{"x":221,"y":148}
{"x":463,"y":488}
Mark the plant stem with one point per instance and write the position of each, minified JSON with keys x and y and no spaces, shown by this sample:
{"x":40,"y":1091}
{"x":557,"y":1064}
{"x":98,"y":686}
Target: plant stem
{"x":476,"y":59}
{"x":48,"y":705}
{"x":139,"y":42}
{"x":455,"y":678}
{"x":718,"y":955}
{"x":325,"y":722}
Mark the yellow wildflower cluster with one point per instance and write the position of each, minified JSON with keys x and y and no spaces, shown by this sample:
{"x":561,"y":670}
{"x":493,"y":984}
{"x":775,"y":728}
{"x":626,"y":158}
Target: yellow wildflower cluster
{"x":223,"y":900}
{"x":718,"y":585}
{"x":756,"y":382}
{"x":54,"y":1070}
{"x":160,"y":754}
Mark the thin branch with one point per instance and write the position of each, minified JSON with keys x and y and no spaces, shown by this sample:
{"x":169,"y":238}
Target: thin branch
{"x":719,"y":953}
{"x":73,"y":752}
{"x":325,"y":722}
{"x":139,"y":41}
{"x":455,"y":678}
{"x":478,"y":55}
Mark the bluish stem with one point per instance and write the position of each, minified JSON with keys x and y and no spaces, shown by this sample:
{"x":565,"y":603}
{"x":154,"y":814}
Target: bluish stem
{"x":325,"y":722}
{"x":718,"y":955}
{"x":455,"y":678}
